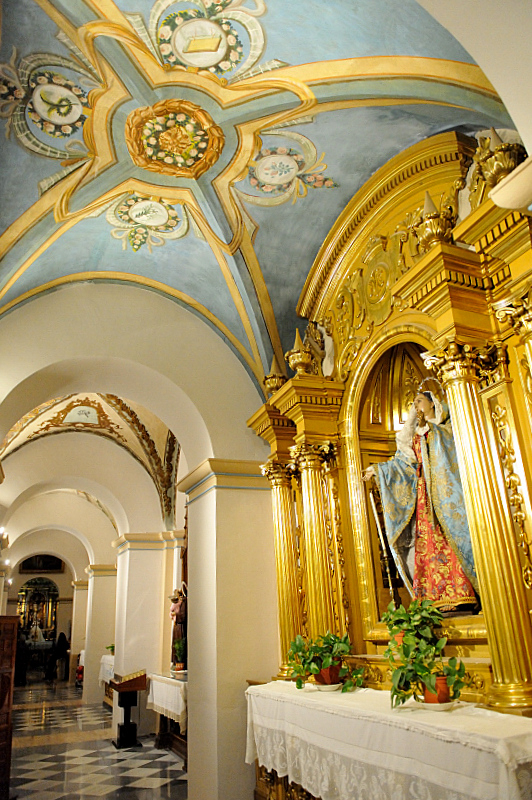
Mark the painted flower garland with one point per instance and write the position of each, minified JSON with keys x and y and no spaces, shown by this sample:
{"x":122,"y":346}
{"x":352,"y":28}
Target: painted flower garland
{"x":66,"y":106}
{"x":234,"y":50}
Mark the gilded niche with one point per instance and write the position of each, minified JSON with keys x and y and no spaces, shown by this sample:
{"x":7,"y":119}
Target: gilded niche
{"x":174,"y":137}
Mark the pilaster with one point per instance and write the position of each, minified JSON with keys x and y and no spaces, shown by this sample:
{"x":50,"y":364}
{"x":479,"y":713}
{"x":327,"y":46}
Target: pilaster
{"x":80,"y":598}
{"x":100,"y":630}
{"x":232,"y":611}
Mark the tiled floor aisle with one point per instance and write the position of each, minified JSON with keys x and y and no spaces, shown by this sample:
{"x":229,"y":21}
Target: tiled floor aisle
{"x":62,"y":750}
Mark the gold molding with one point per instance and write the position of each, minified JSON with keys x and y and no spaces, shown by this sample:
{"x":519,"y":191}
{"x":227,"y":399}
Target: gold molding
{"x":429,"y":165}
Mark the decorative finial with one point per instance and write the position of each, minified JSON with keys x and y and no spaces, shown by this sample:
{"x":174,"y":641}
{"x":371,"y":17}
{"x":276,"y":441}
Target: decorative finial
{"x":429,"y":209}
{"x":300,"y":357}
{"x":435,"y":225}
{"x":495,"y":139}
{"x":275,"y":379}
{"x":493,"y":161}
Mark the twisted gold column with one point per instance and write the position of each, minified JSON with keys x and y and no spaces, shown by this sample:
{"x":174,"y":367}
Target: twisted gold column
{"x":290,"y":616}
{"x":492,"y":533}
{"x":319,"y":596}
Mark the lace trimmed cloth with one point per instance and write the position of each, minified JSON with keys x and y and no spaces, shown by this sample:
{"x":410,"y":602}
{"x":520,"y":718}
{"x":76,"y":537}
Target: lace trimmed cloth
{"x":353,"y":746}
{"x":168,"y":696}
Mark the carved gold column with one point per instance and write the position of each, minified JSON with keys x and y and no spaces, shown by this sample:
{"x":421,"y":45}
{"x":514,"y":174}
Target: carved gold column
{"x":319,"y":596}
{"x":290,"y":616}
{"x":492,"y":532}
{"x":335,"y":533}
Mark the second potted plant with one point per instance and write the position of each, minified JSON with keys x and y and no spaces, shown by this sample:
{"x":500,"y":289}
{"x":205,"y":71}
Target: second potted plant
{"x":323,"y":660}
{"x":419,"y":669}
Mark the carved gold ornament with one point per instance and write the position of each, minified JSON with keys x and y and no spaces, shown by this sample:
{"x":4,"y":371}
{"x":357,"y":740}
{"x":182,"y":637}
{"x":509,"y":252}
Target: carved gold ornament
{"x":174,"y":137}
{"x":494,"y":160}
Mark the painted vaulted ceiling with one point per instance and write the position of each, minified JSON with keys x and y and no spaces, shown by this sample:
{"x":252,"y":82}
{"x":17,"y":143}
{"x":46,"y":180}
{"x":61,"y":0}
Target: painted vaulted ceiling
{"x":203,"y":150}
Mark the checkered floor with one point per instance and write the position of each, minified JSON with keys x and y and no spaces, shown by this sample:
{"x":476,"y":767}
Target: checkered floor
{"x":83,"y":769}
{"x":82,"y":718}
{"x":97,"y":769}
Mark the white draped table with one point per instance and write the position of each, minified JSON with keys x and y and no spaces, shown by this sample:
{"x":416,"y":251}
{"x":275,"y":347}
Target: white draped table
{"x":353,"y":746}
{"x":107,"y":669}
{"x":168,"y":696}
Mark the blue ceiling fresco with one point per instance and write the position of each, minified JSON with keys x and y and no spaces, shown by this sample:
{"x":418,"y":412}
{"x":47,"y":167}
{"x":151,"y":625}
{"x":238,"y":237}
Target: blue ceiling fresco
{"x":251,"y":289}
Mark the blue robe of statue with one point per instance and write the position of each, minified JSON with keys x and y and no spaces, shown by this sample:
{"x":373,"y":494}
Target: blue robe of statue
{"x":398,"y":479}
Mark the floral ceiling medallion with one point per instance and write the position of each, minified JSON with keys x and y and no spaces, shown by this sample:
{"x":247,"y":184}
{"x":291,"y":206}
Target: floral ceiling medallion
{"x":174,"y":137}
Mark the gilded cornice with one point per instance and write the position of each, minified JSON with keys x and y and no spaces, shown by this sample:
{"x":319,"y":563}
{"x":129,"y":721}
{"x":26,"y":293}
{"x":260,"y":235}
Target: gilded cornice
{"x":449,"y":285}
{"x":495,"y":232}
{"x":275,"y":428}
{"x":394,"y":188}
{"x":313,"y":404}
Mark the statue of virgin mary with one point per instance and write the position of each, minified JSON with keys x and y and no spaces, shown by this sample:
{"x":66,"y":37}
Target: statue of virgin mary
{"x":424,"y":513}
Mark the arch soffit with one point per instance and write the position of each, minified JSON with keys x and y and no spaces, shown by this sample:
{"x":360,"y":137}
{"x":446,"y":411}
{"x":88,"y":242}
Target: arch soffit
{"x":96,"y":490}
{"x":31,"y":542}
{"x":90,"y":464}
{"x":190,"y":380}
{"x":70,"y":513}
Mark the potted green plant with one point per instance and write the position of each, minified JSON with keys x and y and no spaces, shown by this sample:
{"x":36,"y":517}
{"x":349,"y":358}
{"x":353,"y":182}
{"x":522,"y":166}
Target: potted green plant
{"x":180,"y":648}
{"x":111,"y":649}
{"x":421,"y":618}
{"x":323,"y":659}
{"x":419,"y":669}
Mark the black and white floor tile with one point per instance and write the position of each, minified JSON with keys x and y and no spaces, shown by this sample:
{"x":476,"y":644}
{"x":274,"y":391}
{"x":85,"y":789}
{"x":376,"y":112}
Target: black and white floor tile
{"x":81,"y":767}
{"x":97,"y":769}
{"x":90,"y":717}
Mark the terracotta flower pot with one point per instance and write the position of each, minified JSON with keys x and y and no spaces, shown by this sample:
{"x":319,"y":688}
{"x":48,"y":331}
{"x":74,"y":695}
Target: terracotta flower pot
{"x":329,"y":675}
{"x":398,"y":638}
{"x":442,"y":695}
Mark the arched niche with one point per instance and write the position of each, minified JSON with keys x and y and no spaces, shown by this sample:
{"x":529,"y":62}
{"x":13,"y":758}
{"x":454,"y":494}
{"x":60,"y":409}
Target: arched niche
{"x":386,"y":398}
{"x":379,"y":391}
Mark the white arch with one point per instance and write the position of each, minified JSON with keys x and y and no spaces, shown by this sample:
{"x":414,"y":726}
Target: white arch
{"x":498,"y":37}
{"x":66,"y":512}
{"x":83,"y":462}
{"x":132,"y":342}
{"x":60,"y":541}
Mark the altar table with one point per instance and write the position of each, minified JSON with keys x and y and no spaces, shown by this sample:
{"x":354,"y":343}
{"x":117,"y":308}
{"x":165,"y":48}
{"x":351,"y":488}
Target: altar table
{"x":353,"y":746}
{"x":107,"y":669}
{"x":168,"y":696}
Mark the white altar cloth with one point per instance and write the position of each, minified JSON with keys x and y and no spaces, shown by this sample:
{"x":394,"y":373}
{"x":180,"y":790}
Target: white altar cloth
{"x":168,"y":696}
{"x":353,"y":746}
{"x":107,"y":669}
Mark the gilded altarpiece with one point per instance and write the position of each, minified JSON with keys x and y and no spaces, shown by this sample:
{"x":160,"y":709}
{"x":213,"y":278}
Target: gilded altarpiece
{"x":408,"y":291}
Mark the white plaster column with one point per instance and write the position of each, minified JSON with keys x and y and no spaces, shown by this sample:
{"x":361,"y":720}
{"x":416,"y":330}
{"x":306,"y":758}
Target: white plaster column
{"x":100,"y":630}
{"x":79,"y":623}
{"x":141,"y":606}
{"x":233,"y":630}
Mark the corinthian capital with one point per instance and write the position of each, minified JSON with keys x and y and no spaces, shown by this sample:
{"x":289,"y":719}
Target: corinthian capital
{"x":462,"y":361}
{"x":313,"y":456}
{"x":517,"y":312}
{"x":278,"y":474}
